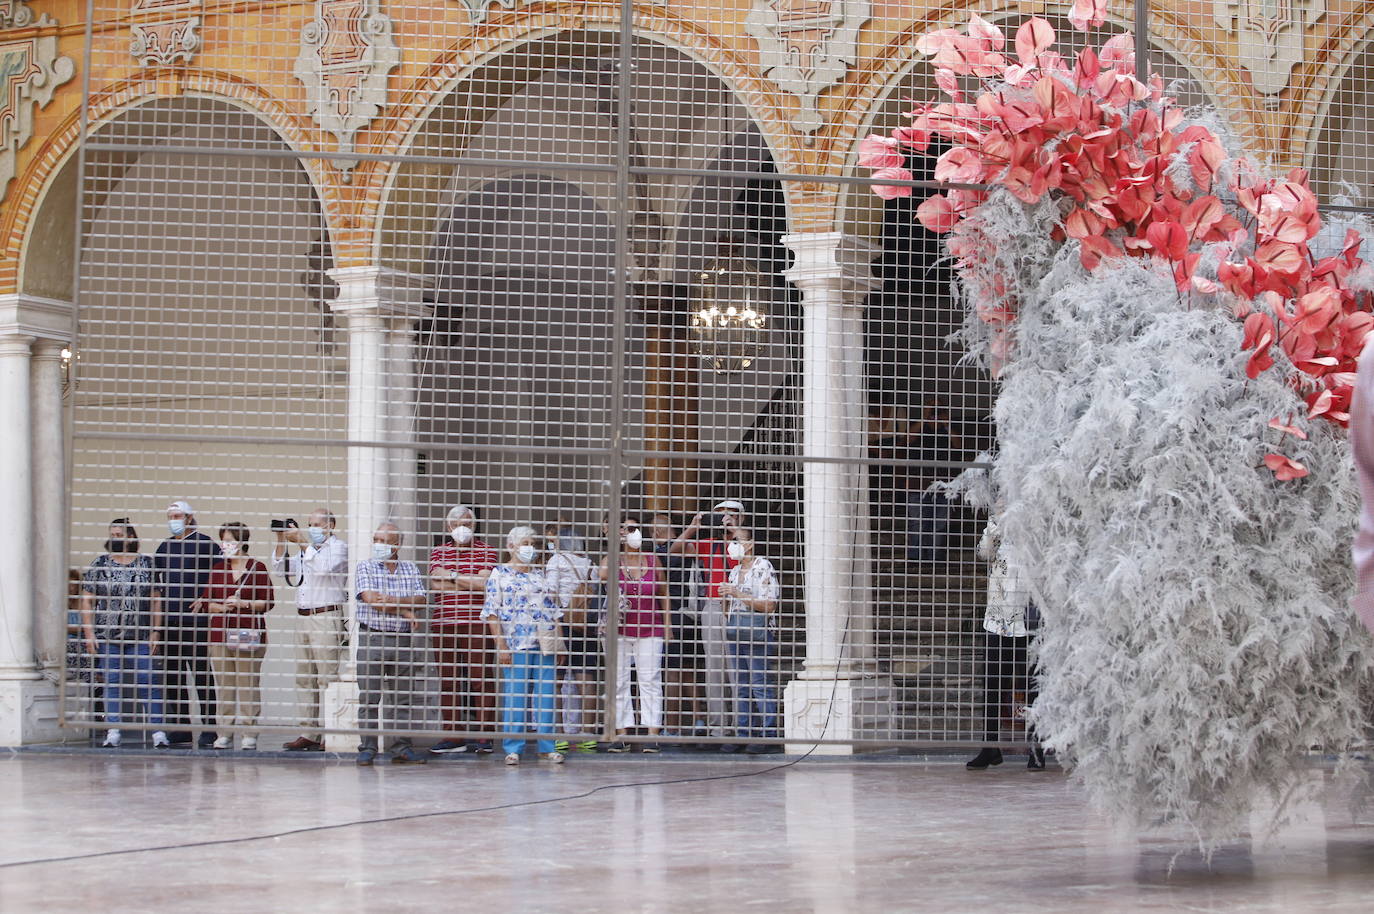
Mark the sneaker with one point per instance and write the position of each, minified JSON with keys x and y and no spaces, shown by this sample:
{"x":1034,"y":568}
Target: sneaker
{"x":561,"y":745}
{"x":555,"y":758}
{"x":618,"y":746}
{"x":445,"y":746}
{"x":160,"y":740}
{"x":513,"y":758}
{"x":588,"y":745}
{"x":983,"y":759}
{"x":250,"y":744}
{"x":762,"y":749}
{"x":407,"y":756}
{"x":111,"y":740}
{"x":365,"y":757}
{"x":649,"y":748}
{"x":207,"y":741}
{"x":224,"y":742}
{"x":483,"y":747}
{"x":1035,"y":760}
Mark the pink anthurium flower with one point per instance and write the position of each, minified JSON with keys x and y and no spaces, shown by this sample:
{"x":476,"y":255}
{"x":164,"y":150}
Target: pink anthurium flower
{"x":1288,"y":428}
{"x":878,"y":152}
{"x":937,"y":214}
{"x":1087,"y":14}
{"x":1284,"y":469}
{"x":1034,"y":35}
{"x":891,"y":191}
{"x":959,"y":165}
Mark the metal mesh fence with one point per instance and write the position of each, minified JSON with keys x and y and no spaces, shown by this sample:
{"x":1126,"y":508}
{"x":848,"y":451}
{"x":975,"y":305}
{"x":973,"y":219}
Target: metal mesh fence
{"x":512,"y":391}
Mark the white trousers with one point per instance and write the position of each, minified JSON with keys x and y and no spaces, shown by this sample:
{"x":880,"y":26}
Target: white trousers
{"x":318,"y":654}
{"x":647,"y":656}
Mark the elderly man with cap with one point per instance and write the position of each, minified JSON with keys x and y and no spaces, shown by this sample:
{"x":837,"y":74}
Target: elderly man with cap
{"x":709,"y":538}
{"x":182,"y":565}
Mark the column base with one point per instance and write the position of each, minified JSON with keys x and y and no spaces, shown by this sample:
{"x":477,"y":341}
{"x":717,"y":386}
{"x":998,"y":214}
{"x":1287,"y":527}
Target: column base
{"x":29,"y":712}
{"x":836,"y":709}
{"x":341,"y":712}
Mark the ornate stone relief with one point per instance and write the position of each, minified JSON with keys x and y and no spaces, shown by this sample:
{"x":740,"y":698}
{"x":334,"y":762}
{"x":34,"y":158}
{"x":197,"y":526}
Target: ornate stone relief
{"x":161,"y":39}
{"x":1269,"y":36}
{"x":478,"y":9}
{"x":805,"y":46}
{"x":30,"y":71}
{"x":346,"y":54}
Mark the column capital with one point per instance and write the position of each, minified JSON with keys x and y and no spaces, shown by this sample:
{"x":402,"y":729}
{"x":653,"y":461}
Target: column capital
{"x":379,"y":292}
{"x":47,"y":349}
{"x":38,"y":318}
{"x":16,"y":344}
{"x":833,"y":260}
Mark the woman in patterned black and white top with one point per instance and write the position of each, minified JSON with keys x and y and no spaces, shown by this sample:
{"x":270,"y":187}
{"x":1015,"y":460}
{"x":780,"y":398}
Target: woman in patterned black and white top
{"x":751,"y":593}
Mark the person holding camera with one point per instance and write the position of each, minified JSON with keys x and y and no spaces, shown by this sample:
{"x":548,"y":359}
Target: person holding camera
{"x":458,"y":572}
{"x":708,"y":537}
{"x":568,"y":572}
{"x":183,"y":562}
{"x":237,"y":596}
{"x":751,"y":592}
{"x":391,"y":654}
{"x":321,"y":567}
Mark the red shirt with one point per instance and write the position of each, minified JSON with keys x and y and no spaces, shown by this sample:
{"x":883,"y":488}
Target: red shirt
{"x":715,"y":564}
{"x":461,"y":605}
{"x":254,"y":585}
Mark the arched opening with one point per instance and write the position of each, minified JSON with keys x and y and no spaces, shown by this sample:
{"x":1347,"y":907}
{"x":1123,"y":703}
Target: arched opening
{"x":1339,"y":158}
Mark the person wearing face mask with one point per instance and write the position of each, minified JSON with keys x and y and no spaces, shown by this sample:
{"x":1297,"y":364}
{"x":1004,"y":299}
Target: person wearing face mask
{"x":391,"y":651}
{"x":568,"y":572}
{"x":183,"y":562}
{"x":236,"y":596}
{"x":683,"y":657}
{"x":322,"y":569}
{"x":646,"y":625}
{"x":121,"y":619}
{"x":466,"y":665}
{"x":751,"y":593}
{"x":523,"y":618}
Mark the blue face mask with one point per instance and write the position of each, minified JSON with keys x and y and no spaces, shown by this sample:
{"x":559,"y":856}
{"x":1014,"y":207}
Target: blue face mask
{"x":381,"y":551}
{"x":317,"y":535}
{"x":177,"y":526}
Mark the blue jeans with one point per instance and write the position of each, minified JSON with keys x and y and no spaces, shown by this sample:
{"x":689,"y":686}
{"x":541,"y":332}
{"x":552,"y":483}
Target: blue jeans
{"x":758,"y":708}
{"x":528,"y":685}
{"x":927,"y":523}
{"x":124,"y":666}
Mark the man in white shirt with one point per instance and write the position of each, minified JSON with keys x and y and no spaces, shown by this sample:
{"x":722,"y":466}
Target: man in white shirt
{"x":322,"y":569}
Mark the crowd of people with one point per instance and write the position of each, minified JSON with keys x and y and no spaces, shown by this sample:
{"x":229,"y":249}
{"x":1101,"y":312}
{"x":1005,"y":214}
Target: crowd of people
{"x":516,"y":638}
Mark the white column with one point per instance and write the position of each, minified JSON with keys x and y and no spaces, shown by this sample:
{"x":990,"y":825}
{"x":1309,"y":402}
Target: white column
{"x":33,"y":499}
{"x":838,"y":693}
{"x":377,"y":305}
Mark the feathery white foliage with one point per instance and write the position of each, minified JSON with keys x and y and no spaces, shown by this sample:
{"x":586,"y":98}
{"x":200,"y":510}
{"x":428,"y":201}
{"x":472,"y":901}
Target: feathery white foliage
{"x":1196,"y":641}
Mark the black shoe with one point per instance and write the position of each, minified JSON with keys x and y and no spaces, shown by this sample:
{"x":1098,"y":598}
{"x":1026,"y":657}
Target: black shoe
{"x":445,"y":746}
{"x":365,"y":757}
{"x":762,"y":749}
{"x":729,"y":748}
{"x":206,"y":741}
{"x":1035,"y":759}
{"x":180,"y":737}
{"x":983,"y":759}
{"x":407,"y":756}
{"x":483,"y":747}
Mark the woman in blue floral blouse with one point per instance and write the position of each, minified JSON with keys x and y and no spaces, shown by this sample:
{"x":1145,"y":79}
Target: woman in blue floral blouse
{"x":523,"y":618}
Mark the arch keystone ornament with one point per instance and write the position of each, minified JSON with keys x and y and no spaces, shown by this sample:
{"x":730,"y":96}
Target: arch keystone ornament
{"x":347,"y":53}
{"x":30,"y":71}
{"x":1269,"y":38}
{"x":160,"y":41}
{"x":806,"y":46}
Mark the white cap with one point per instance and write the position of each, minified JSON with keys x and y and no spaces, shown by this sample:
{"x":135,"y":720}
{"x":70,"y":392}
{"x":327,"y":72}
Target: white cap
{"x":729,"y":505}
{"x":182,"y":506}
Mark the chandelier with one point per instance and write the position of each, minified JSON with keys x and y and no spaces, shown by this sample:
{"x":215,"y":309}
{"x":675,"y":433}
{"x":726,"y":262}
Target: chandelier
{"x":730,"y":307}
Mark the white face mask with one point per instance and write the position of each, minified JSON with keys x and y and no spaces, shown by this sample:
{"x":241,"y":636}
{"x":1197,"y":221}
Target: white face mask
{"x":526,"y":554}
{"x":381,"y":551}
{"x":230,"y":548}
{"x":462,"y":535}
{"x":735,"y":550}
{"x":634,"y":539}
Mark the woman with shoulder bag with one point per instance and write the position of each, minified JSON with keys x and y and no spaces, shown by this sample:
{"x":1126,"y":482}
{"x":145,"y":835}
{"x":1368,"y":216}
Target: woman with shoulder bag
{"x":751,"y":593}
{"x":646,"y":625}
{"x":237,"y":594}
{"x":567,"y":573}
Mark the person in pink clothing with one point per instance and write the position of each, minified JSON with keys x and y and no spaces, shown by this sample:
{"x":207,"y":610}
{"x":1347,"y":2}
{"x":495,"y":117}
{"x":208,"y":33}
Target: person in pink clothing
{"x":645,"y":627}
{"x":1362,"y":444}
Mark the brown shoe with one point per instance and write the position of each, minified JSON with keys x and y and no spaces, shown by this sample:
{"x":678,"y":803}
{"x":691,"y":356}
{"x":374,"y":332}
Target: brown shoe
{"x":303,"y":744}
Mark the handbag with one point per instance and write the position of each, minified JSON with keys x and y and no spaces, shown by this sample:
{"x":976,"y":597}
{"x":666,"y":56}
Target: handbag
{"x":550,"y":642}
{"x":239,"y":638}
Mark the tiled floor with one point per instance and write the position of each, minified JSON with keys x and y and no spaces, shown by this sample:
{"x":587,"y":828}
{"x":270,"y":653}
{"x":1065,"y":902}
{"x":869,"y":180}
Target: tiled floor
{"x":826,"y":835}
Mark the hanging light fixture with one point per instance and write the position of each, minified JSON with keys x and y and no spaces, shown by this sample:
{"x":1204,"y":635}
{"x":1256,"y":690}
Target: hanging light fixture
{"x":730,"y":299}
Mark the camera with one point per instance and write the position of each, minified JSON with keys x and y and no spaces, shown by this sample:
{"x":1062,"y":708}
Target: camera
{"x":287,"y":524}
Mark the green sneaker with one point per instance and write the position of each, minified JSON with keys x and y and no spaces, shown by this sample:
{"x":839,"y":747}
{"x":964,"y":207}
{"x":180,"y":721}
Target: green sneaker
{"x":561,"y":746}
{"x":588,"y":745}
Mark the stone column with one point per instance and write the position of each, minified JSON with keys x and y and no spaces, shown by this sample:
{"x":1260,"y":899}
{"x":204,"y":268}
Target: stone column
{"x":379,"y":308}
{"x":838,"y":694}
{"x":33,"y":504}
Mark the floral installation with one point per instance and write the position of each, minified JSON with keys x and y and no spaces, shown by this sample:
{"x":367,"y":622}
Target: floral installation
{"x":1175,"y":335}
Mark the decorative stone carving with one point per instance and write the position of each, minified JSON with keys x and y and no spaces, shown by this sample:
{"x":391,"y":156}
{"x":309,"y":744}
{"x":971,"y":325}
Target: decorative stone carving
{"x":478,"y":9}
{"x":805,"y":46}
{"x":1269,"y":36}
{"x":347,"y":52}
{"x":30,"y":71}
{"x":161,"y":44}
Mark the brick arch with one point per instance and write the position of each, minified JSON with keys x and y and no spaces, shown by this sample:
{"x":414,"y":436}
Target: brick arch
{"x":397,"y":130}
{"x":106,"y":104}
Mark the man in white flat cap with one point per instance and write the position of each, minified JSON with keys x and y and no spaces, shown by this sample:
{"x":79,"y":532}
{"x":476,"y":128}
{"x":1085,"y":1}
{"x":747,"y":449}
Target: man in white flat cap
{"x":182,"y":563}
{"x":709,"y":538}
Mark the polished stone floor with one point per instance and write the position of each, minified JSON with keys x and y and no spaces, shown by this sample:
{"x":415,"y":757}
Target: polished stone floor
{"x":825,"y":835}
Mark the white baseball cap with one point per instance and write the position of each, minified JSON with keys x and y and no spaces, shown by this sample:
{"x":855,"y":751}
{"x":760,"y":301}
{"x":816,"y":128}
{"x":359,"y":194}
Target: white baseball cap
{"x":729,"y":504}
{"x":183,"y":506}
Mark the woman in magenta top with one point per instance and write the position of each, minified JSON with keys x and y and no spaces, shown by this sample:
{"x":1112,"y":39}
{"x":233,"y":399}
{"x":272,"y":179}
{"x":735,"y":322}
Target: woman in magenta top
{"x":645,"y":627}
